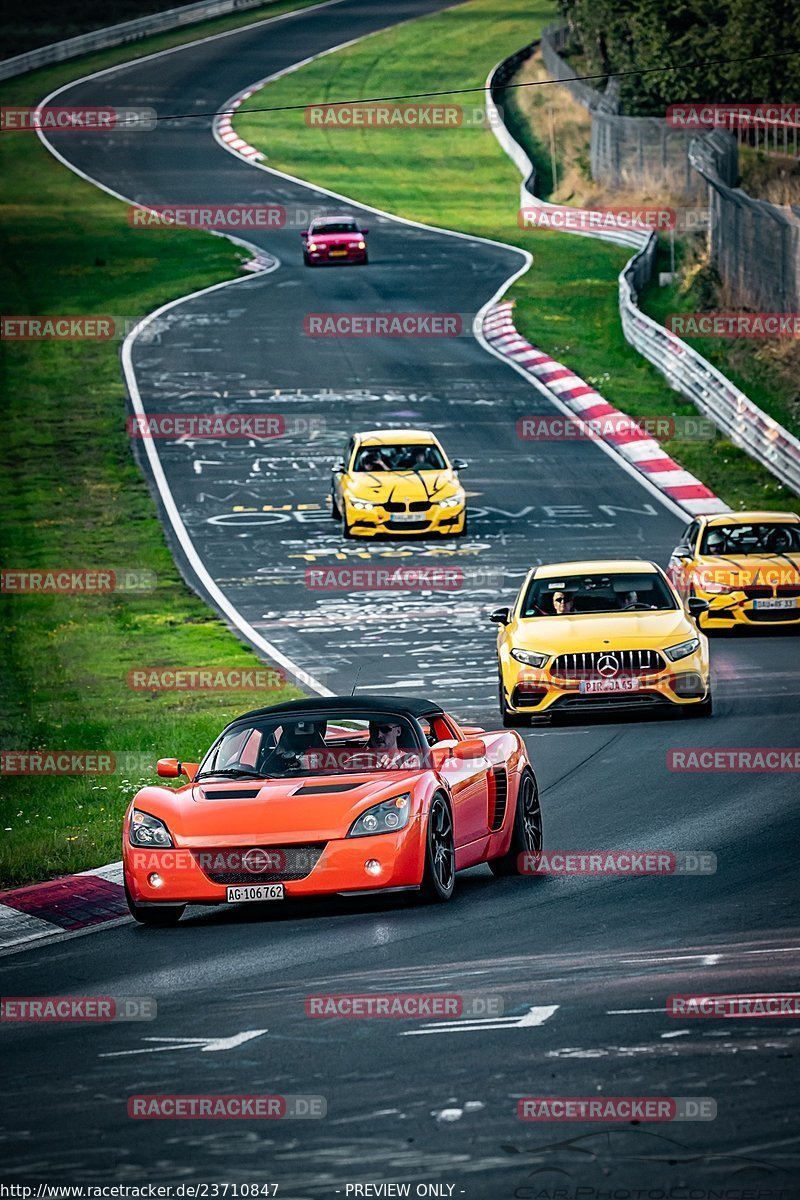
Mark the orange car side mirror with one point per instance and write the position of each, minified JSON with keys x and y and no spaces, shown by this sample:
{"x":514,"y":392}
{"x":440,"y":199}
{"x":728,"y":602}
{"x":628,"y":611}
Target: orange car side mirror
{"x":171,"y":768}
{"x":469,"y":749}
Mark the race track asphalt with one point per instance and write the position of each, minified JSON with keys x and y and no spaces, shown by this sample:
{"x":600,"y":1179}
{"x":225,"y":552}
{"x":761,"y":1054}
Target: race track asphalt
{"x":405,"y":1106}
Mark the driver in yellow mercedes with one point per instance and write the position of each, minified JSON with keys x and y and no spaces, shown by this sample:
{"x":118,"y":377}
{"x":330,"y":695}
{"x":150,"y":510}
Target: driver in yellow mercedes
{"x":584,"y":636}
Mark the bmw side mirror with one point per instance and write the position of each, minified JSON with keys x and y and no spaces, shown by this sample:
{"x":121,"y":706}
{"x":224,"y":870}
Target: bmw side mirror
{"x":460,"y":464}
{"x":500,"y":616}
{"x":696,"y":606}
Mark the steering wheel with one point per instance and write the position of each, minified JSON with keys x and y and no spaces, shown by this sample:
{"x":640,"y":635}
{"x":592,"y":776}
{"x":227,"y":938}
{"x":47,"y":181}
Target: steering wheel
{"x":634,"y":605}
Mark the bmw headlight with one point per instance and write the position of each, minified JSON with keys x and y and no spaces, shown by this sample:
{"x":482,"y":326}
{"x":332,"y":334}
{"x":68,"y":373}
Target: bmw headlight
{"x":148,"y":831}
{"x":453,"y":501}
{"x":682,"y":650}
{"x":386,"y":817}
{"x":362,"y":504}
{"x":530,"y":657}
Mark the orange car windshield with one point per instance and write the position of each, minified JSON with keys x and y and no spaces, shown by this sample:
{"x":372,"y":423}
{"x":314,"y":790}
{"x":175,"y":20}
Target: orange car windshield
{"x":313,"y":744}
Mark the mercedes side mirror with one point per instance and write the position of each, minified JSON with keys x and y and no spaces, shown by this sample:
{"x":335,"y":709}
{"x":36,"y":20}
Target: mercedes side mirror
{"x":500,"y":616}
{"x":338,"y":465}
{"x":696,"y":606}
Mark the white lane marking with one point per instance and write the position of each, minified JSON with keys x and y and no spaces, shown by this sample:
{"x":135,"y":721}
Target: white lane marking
{"x":224,"y":605}
{"x":533,"y":1017}
{"x":625,"y":1012}
{"x":204,"y":1044}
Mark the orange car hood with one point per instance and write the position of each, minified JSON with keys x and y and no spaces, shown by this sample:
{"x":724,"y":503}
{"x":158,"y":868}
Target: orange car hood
{"x":302,"y":809}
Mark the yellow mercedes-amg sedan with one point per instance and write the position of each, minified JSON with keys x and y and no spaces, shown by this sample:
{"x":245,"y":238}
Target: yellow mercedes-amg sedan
{"x":398,"y":481}
{"x":745,"y":564}
{"x":586,"y":636}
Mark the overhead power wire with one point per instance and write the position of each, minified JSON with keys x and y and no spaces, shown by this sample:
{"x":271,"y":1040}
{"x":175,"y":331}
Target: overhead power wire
{"x":712,"y":62}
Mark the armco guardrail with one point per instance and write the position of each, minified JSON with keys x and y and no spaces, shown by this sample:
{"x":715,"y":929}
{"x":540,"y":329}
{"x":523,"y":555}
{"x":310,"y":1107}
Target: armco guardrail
{"x":747,"y":426}
{"x":119,"y":35}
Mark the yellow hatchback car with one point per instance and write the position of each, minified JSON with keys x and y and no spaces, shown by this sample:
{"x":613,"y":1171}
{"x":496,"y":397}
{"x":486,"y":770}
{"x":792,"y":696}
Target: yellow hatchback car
{"x":587,"y":636}
{"x":745,"y":564}
{"x":398,"y":481}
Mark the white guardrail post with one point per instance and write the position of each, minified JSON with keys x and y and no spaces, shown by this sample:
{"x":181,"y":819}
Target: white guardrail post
{"x":747,"y":426}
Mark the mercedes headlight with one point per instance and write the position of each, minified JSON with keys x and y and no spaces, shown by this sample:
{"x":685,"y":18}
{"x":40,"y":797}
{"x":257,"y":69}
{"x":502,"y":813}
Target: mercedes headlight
{"x":148,"y":831}
{"x":683,"y":649}
{"x":312,"y":246}
{"x":386,"y":817}
{"x":530,"y":657}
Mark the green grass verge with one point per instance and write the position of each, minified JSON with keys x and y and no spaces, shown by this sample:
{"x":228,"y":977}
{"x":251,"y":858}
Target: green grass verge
{"x":73,"y":497}
{"x":459,"y":178}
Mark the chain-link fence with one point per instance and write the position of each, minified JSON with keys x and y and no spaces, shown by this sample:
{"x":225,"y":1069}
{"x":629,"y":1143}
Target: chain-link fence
{"x":633,"y":153}
{"x":755,"y":246}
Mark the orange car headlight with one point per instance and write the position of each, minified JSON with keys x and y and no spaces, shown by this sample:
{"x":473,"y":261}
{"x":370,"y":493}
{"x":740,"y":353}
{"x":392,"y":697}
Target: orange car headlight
{"x":147,"y":831}
{"x":386,"y":817}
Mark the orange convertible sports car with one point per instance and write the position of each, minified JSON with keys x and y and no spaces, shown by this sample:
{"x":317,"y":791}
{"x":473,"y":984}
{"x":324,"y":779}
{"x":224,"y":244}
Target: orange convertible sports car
{"x":333,"y":795}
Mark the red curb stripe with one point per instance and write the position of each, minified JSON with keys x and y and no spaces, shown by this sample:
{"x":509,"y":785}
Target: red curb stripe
{"x":558,"y":373}
{"x":599,"y":410}
{"x":658,"y":464}
{"x":71,"y":903}
{"x":576,"y":392}
{"x":690,"y":491}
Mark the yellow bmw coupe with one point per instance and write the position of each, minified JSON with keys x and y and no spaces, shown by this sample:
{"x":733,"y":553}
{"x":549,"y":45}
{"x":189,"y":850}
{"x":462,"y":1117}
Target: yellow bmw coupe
{"x":586,"y":636}
{"x":398,"y":481}
{"x":745,"y":564}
